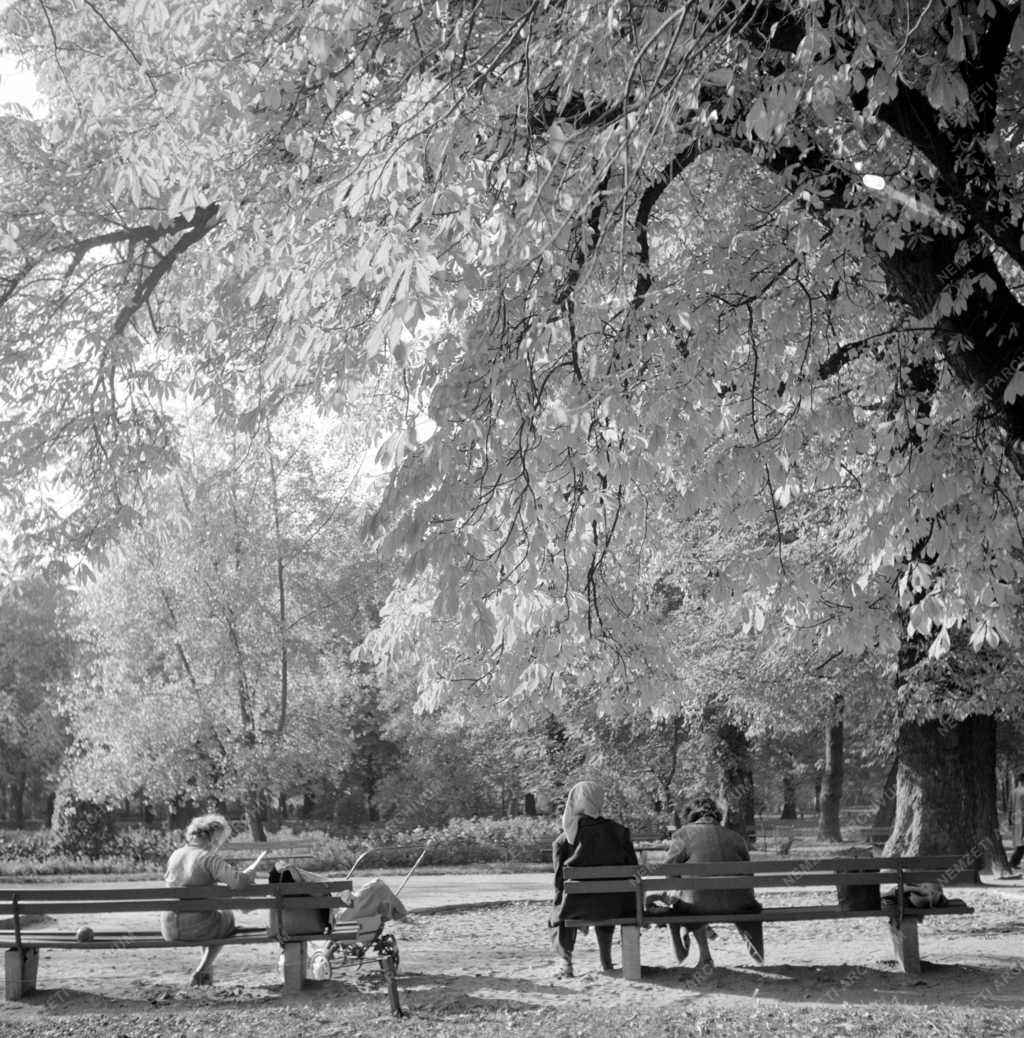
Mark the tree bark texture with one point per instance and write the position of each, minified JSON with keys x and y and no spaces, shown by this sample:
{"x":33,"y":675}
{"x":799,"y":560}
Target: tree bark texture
{"x":946,"y":792}
{"x":256,"y":816}
{"x":832,"y":777}
{"x":736,"y":779}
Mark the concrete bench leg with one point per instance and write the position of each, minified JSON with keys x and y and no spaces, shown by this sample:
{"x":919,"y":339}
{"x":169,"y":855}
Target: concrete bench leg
{"x":21,"y":967}
{"x":294,"y":967}
{"x":904,"y":943}
{"x":631,"y":952}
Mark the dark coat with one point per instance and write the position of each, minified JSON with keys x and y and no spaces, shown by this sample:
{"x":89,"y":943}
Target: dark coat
{"x":1017,"y":815}
{"x":599,"y":841}
{"x":707,"y":842}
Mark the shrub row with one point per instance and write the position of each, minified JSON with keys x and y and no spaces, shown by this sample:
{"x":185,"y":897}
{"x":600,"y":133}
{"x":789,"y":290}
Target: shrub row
{"x":463,"y":841}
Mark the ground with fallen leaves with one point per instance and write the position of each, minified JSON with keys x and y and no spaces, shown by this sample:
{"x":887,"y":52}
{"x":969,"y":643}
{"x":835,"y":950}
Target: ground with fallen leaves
{"x":489,"y":971}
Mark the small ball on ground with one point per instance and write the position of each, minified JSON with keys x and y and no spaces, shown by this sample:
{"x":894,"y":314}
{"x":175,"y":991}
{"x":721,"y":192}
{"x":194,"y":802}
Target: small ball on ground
{"x":84,"y":933}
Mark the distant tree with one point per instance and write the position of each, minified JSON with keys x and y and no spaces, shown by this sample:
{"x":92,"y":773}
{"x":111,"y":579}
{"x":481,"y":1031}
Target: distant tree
{"x":445,"y":770}
{"x":363,"y":778}
{"x":833,"y":767}
{"x":220,"y":636}
{"x":37,"y":655}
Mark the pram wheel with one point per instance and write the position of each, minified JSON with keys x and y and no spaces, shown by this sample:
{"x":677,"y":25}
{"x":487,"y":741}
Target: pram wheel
{"x":386,"y":946}
{"x":318,"y":966}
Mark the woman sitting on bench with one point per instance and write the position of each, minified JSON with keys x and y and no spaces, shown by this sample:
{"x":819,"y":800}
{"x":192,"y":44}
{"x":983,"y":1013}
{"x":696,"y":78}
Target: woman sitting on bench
{"x":588,"y":839}
{"x":198,"y":864}
{"x":703,"y":839}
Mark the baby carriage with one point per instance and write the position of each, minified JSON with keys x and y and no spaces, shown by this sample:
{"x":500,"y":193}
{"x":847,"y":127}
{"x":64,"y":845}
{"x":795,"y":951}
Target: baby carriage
{"x":376,"y":903}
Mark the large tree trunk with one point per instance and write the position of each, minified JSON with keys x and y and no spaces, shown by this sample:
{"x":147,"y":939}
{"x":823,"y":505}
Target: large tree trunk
{"x":946,"y":792}
{"x":832,"y":776}
{"x":736,"y":779}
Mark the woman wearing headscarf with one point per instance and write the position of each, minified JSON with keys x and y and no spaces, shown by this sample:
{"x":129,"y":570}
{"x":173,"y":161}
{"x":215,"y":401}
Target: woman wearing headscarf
{"x":703,"y":838}
{"x":586,"y":839}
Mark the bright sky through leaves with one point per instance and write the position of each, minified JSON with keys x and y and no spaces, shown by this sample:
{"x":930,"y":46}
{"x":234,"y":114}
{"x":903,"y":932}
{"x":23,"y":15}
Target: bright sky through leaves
{"x":16,"y":85}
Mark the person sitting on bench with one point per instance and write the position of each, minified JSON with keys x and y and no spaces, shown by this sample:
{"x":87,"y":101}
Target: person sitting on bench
{"x":198,"y":864}
{"x":702,"y":838}
{"x":588,"y":839}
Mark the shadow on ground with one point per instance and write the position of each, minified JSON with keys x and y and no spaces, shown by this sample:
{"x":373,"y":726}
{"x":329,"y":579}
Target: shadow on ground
{"x":869,"y":984}
{"x":369,"y":991}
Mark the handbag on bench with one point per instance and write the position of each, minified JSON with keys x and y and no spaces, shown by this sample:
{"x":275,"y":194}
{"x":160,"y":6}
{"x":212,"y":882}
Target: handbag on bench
{"x":919,"y":895}
{"x":664,"y":904}
{"x":294,"y":918}
{"x":859,"y":897}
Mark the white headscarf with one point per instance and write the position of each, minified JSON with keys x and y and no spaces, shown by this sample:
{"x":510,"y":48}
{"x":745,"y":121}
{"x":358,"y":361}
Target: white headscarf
{"x":585,"y":798}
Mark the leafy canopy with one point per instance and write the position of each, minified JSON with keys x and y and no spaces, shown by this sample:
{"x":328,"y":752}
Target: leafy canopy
{"x":626,"y":259}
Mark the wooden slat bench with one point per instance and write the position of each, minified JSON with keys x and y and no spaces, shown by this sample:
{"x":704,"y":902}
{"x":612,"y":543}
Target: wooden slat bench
{"x":901,"y":917}
{"x":22,"y":941}
{"x":876,"y":835}
{"x":649,"y":844}
{"x":294,"y":852}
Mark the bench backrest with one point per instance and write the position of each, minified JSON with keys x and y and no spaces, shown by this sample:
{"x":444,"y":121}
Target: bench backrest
{"x":283,"y":850}
{"x":782,"y":873}
{"x":72,"y":900}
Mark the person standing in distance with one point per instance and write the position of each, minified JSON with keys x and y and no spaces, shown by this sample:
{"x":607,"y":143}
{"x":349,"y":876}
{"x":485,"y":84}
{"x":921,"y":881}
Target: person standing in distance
{"x":1017,"y":822}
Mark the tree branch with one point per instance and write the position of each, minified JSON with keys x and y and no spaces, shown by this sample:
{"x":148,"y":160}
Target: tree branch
{"x":680,"y":161}
{"x":200,"y":226}
{"x":145,"y":233}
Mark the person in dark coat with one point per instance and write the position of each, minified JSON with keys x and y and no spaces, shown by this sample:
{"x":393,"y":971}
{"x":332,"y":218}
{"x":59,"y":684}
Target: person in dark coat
{"x":702,"y":838}
{"x":588,"y":839}
{"x":1017,"y":820}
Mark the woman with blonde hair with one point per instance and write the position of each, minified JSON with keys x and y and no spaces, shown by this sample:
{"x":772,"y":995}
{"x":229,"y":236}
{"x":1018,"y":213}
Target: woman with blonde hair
{"x":199,"y":864}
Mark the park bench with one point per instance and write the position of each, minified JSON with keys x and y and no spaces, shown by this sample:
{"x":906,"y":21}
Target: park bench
{"x":294,"y":852}
{"x":876,"y":835}
{"x":788,"y":873}
{"x":648,"y":844}
{"x":278,"y":903}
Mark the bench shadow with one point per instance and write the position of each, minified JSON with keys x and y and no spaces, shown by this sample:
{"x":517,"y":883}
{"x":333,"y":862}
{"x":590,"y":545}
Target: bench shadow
{"x":432,"y":994}
{"x":868,"y":984}
{"x":150,"y":997}
{"x":492,"y":981}
{"x":428,"y":994}
{"x":435,"y":994}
